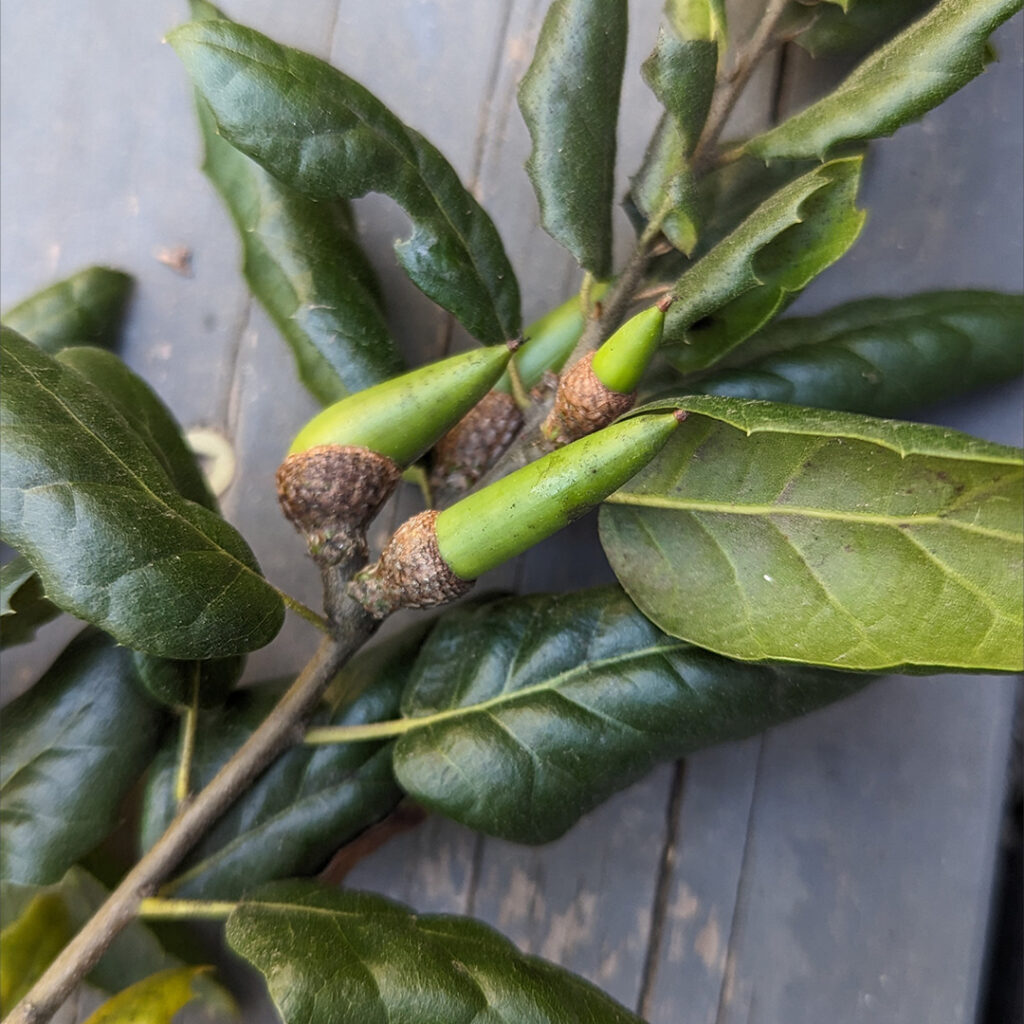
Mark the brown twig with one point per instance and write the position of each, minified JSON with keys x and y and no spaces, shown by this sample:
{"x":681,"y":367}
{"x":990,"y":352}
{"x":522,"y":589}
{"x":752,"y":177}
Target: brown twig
{"x":279,"y":730}
{"x":725,"y":98}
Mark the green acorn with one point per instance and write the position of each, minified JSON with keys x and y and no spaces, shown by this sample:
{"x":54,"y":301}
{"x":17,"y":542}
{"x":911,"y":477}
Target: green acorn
{"x":435,"y":556}
{"x":602,"y":385}
{"x":344,"y":464}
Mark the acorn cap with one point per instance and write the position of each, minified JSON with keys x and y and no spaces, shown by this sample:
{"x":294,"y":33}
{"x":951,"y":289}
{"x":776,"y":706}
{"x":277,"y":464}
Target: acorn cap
{"x":410,"y":572}
{"x":485,"y":529}
{"x":403,"y":417}
{"x":583,"y":404}
{"x":475,"y":443}
{"x":331,"y":492}
{"x":621,"y":361}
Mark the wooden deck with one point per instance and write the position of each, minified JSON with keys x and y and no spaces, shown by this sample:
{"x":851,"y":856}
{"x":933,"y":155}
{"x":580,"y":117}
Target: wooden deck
{"x":836,"y":869}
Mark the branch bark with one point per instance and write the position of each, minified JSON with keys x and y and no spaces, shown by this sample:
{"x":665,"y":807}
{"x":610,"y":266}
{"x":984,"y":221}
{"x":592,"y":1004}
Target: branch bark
{"x":282,"y":727}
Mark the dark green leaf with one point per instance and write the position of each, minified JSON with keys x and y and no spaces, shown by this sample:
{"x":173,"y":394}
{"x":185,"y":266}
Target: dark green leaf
{"x":324,"y":135}
{"x":681,"y":73}
{"x":84,"y":309}
{"x":309,"y":803}
{"x":899,"y":82}
{"x":303,"y":261}
{"x":23,"y":605}
{"x":664,"y":188}
{"x":525,"y":713}
{"x":87,"y":503}
{"x":73,"y":746}
{"x":147,"y":415}
{"x":569,"y":98}
{"x":824,"y":30}
{"x":771,"y":531}
{"x":173,"y":683}
{"x":356,"y":958}
{"x":904,"y":353}
{"x":759,"y":268}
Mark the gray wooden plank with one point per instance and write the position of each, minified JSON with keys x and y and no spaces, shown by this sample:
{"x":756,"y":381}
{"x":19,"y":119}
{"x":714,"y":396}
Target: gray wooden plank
{"x":585,"y":901}
{"x":865,"y":892}
{"x":99,"y":178}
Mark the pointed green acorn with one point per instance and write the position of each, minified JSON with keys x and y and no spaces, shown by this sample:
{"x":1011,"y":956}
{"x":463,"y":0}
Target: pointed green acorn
{"x":434,"y":557}
{"x":621,"y":361}
{"x":347,"y":460}
{"x":511,"y":515}
{"x":403,"y":417}
{"x":602,"y":386}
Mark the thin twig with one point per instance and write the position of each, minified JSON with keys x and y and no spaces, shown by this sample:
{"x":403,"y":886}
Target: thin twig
{"x":281,"y":728}
{"x":725,"y":98}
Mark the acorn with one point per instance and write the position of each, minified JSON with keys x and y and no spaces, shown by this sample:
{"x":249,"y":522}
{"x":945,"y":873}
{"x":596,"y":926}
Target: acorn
{"x":435,"y":556}
{"x":345,"y":463}
{"x":480,"y":438}
{"x":602,"y":386}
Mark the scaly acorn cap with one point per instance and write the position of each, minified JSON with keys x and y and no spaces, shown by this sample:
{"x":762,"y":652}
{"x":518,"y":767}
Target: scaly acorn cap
{"x":469,"y":449}
{"x":602,"y":385}
{"x":434,"y":557}
{"x":549,"y":341}
{"x":344,"y":464}
{"x":331,"y":492}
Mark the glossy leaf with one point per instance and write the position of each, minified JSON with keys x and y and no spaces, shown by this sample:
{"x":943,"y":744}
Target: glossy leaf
{"x":356,"y":958}
{"x":173,"y":683}
{"x":73,"y":745}
{"x":752,"y":274}
{"x":665,"y":189}
{"x":154,"y":1000}
{"x":84,"y":309}
{"x":23,"y":605}
{"x":822,"y":30}
{"x":309,"y":803}
{"x":681,"y":73}
{"x":525,"y":713}
{"x":324,"y":135}
{"x":569,"y":99}
{"x":903,"y":353}
{"x":147,"y":415}
{"x":29,"y":944}
{"x":303,"y":261}
{"x":90,"y":507}
{"x":771,"y":531}
{"x":899,"y":82}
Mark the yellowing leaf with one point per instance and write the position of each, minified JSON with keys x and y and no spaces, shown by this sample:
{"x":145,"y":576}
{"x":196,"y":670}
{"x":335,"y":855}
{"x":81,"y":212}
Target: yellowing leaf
{"x":154,"y":1000}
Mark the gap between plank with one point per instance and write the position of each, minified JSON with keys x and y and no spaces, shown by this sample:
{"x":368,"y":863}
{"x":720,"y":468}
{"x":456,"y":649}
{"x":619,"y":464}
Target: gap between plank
{"x":662,"y":889}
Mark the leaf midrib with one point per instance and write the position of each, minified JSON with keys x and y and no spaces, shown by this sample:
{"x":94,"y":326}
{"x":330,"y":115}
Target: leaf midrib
{"x":554,"y":682}
{"x":770,"y":511}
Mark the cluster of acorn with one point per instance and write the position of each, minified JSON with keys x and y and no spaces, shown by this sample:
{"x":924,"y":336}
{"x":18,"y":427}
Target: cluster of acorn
{"x":345,"y":463}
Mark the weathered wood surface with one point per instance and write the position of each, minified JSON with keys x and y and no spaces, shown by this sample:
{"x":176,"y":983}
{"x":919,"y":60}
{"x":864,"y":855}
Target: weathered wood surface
{"x":839,"y":868}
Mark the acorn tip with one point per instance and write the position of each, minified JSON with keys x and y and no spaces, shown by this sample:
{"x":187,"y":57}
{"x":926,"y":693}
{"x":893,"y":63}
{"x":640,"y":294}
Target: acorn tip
{"x":665,"y":301}
{"x":680,"y":415}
